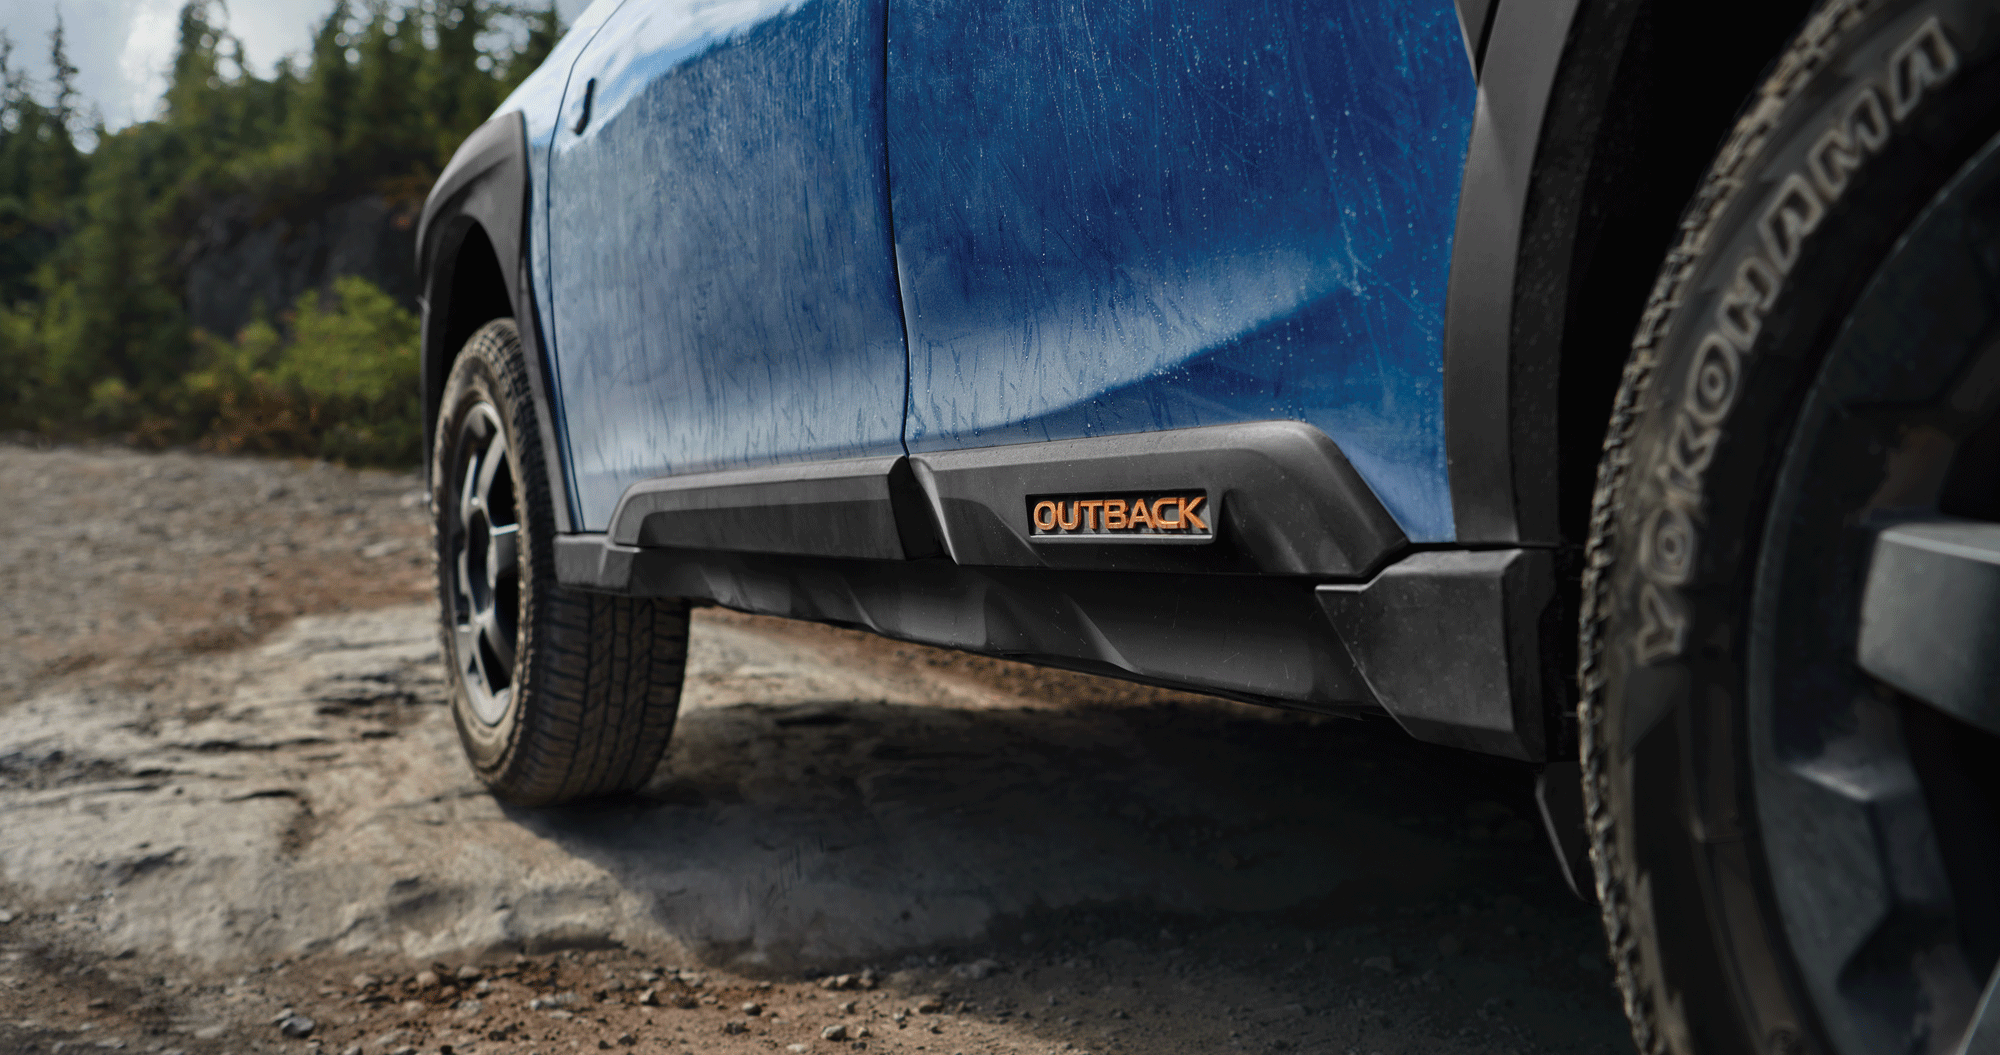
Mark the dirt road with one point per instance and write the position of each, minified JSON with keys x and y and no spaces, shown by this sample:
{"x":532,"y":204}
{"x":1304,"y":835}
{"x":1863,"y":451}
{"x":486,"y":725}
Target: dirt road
{"x":229,"y":789}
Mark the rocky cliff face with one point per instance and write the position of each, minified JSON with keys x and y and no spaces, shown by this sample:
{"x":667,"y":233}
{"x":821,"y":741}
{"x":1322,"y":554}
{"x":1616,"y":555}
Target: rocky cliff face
{"x":239,"y":259}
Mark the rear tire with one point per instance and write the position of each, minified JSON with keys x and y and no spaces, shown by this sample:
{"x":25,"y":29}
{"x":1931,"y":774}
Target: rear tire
{"x":559,"y":695}
{"x":1782,"y":863}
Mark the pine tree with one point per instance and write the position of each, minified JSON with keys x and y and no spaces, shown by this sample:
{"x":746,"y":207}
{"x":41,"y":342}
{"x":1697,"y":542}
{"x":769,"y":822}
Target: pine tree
{"x":63,"y":75}
{"x":56,"y":168}
{"x":326,"y":100}
{"x":121,"y":323}
{"x":387,"y":134}
{"x":460,"y":90}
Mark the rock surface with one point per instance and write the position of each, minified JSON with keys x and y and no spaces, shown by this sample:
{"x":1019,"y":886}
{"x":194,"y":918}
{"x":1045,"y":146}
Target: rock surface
{"x":923,"y":848}
{"x":240,"y":258}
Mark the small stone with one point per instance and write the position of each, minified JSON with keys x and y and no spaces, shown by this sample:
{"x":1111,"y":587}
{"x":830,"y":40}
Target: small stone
{"x":364,"y":981}
{"x":469,"y":1008}
{"x":407,"y":1049}
{"x":98,"y":1004}
{"x":413,"y":1007}
{"x":627,"y":1039}
{"x":930,"y":1005}
{"x":649,"y":977}
{"x":6,"y":915}
{"x":846,"y":1007}
{"x":796,"y":1047}
{"x":351,"y":1049}
{"x":863,"y":1033}
{"x":650,"y":998}
{"x":752,"y":1008}
{"x":297,"y":1027}
{"x":977,"y":970}
{"x":1449,"y":946}
{"x":547,"y":1003}
{"x":395,"y":1038}
{"x":426,"y":979}
{"x":835,"y":1032}
{"x":562,"y":1014}
{"x":734,"y":1027}
{"x":468,"y":973}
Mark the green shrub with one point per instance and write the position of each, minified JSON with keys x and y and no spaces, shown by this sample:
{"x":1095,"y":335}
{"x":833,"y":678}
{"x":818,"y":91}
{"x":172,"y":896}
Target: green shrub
{"x":343,"y":386}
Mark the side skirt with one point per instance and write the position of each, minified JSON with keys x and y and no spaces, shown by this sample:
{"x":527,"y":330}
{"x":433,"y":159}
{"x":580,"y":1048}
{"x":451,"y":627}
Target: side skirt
{"x":1259,"y":639}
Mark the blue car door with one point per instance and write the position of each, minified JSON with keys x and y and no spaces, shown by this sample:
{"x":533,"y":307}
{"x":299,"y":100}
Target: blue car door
{"x":1154,"y":214}
{"x":720,"y":261}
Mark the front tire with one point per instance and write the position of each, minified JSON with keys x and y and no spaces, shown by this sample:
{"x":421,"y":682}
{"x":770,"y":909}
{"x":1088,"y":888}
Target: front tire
{"x":1795,"y":852}
{"x":559,"y":695}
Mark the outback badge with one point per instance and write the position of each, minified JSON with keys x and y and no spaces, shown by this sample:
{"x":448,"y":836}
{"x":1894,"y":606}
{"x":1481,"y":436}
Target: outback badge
{"x":1182,"y":517}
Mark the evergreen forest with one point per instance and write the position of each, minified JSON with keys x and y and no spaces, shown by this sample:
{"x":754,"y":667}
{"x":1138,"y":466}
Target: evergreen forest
{"x":96,"y":227}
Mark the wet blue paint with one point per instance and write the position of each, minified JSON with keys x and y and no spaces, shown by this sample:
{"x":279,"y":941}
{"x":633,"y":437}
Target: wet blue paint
{"x":1159,"y":214}
{"x":538,"y":98}
{"x":720,"y":273}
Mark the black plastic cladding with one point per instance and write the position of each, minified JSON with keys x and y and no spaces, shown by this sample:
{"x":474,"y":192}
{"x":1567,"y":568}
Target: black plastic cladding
{"x":1595,"y":120}
{"x":1256,"y":638}
{"x":1291,"y":504}
{"x":483,"y":193}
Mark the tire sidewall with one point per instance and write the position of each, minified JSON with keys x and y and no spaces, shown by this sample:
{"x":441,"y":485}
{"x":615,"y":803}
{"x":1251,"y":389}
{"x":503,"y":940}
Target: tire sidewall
{"x":480,"y":375}
{"x":1701,"y":425}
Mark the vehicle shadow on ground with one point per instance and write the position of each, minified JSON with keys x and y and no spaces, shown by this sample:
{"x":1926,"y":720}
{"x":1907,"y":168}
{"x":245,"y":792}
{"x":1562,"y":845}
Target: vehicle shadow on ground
{"x":1312,"y":865}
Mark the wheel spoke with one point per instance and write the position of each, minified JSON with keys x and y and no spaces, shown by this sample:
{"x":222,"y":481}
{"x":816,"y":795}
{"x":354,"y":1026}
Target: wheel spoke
{"x":469,"y":661}
{"x":1930,"y":617}
{"x":490,"y":463}
{"x":504,"y":552}
{"x":499,"y":640}
{"x":462,"y":582}
{"x":468,"y":492}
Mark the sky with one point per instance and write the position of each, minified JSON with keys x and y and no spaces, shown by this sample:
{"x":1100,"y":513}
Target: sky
{"x":122,"y":48}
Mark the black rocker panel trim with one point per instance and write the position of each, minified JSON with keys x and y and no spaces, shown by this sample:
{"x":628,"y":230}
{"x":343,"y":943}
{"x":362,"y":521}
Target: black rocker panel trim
{"x":1253,"y":638}
{"x":1284,"y":499}
{"x":1448,"y":642}
{"x":484,"y":189}
{"x":1445,"y":641}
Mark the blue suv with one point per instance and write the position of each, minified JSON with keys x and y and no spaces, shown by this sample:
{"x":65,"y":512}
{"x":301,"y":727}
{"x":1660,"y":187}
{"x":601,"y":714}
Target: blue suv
{"x":1612,"y":385}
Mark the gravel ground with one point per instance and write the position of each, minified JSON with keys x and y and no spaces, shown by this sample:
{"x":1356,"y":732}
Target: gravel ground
{"x":233,"y":819}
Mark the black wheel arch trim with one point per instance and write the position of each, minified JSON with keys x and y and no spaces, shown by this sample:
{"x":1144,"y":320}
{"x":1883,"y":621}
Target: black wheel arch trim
{"x":484,"y":193}
{"x":1521,"y":50}
{"x":1593,"y":123}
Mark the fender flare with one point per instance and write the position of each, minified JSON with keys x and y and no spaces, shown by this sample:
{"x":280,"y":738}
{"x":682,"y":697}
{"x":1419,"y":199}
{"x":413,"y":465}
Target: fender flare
{"x":1594,"y":122}
{"x":1494,"y":447}
{"x":484,"y":188}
